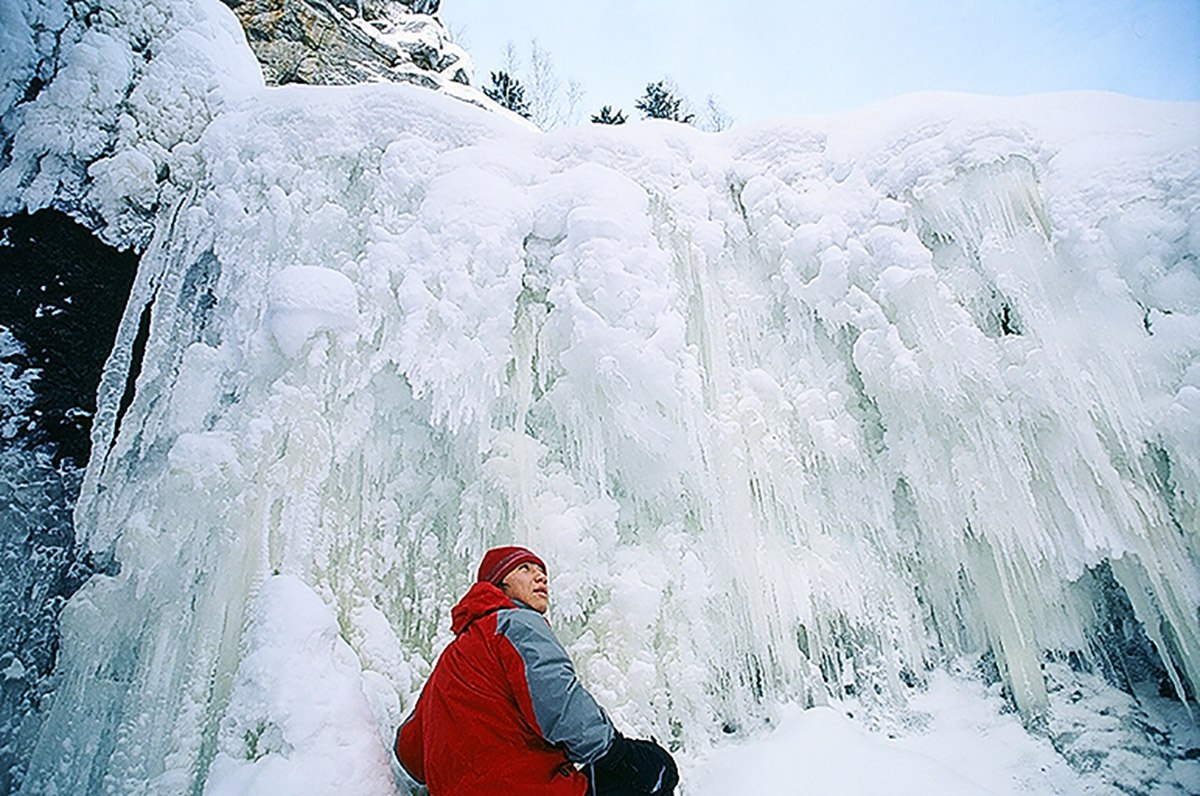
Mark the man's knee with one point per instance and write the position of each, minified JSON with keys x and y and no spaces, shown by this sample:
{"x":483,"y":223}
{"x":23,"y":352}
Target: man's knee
{"x":635,"y":767}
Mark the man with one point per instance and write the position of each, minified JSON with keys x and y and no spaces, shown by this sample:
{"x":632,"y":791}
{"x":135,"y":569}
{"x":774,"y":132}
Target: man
{"x":503,"y":713}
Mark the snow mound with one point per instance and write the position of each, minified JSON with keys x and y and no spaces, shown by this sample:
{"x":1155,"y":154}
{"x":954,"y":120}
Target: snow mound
{"x":297,"y":721}
{"x":304,"y":300}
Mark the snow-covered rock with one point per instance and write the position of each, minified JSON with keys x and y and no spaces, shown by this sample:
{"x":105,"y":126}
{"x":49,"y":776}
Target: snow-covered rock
{"x":341,"y":43}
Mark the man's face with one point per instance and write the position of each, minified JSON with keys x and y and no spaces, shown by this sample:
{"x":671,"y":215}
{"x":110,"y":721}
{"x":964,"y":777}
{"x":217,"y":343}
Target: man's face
{"x":528,"y":584}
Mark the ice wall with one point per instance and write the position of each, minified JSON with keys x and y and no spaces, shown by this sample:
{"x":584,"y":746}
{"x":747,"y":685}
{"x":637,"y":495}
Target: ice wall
{"x":802,"y":409}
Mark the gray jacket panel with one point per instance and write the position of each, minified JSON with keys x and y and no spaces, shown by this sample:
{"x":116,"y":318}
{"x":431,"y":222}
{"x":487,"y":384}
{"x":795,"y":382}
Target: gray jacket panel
{"x":566,"y":712}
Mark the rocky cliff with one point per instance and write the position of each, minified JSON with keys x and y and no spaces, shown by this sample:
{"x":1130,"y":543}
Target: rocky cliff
{"x":336,"y":42}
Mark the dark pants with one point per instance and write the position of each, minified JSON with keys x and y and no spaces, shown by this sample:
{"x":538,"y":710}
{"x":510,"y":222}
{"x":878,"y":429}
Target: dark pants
{"x":609,"y":785}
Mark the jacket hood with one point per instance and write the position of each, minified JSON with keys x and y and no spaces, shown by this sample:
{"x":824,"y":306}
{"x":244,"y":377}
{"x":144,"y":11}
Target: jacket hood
{"x":479,"y":601}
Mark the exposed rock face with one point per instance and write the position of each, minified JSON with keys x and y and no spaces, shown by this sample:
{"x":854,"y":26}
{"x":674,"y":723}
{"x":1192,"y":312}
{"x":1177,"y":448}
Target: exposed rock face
{"x":344,"y":42}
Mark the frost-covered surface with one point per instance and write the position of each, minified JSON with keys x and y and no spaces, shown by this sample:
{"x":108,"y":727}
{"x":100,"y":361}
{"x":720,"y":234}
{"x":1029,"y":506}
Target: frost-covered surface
{"x":40,"y":569}
{"x":798,"y":412}
{"x":954,"y":739}
{"x":36,"y":496}
{"x":102,"y":103}
{"x":16,"y":386}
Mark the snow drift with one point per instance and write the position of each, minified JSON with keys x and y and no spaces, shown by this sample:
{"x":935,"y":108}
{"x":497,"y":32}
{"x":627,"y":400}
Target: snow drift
{"x":796,"y":412}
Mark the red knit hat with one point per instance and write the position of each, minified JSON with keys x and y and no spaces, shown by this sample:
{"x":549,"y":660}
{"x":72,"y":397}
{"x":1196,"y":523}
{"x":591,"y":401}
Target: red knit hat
{"x":499,"y":561}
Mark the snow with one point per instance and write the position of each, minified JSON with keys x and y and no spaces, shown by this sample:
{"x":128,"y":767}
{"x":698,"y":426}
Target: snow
{"x":800,"y":414}
{"x":133,"y":87}
{"x":298,"y":720}
{"x":953,"y":737}
{"x":14,"y":671}
{"x":304,"y":300}
{"x":820,"y":751}
{"x":16,"y":386}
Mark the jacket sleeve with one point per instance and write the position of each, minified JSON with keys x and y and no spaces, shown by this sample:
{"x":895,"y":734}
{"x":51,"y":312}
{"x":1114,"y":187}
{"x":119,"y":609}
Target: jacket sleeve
{"x":410,"y":748}
{"x":563,"y":712}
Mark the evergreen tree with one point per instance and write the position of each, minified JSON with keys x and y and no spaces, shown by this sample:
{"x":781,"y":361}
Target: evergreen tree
{"x":660,"y":102}
{"x":508,"y":92}
{"x":606,"y":116}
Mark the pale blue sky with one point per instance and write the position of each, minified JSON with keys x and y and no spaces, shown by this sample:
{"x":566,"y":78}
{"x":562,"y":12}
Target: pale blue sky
{"x":813,"y":56}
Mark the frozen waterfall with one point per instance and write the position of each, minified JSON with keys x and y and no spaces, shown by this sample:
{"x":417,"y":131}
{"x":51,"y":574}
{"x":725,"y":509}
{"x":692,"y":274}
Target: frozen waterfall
{"x":800,"y":411}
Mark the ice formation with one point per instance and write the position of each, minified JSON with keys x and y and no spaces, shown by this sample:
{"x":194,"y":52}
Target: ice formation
{"x":798,"y":411}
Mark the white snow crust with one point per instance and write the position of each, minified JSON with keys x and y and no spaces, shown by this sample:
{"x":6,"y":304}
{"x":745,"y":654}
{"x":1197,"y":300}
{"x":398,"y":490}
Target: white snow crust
{"x":297,"y":696}
{"x":954,"y":739}
{"x":799,"y":414}
{"x":304,"y":300}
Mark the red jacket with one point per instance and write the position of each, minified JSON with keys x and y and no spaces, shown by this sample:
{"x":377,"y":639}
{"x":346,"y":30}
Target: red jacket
{"x":502,"y":712}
